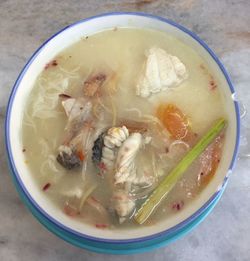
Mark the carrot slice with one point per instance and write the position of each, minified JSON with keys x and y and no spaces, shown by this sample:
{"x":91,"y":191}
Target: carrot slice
{"x":175,"y":121}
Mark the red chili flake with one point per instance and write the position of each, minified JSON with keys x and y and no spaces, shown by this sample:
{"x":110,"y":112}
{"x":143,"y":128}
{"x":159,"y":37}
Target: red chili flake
{"x":212,"y":85}
{"x":101,"y":225}
{"x":178,"y":205}
{"x":52,"y":63}
{"x":23,"y":150}
{"x":63,"y":95}
{"x":46,"y":186}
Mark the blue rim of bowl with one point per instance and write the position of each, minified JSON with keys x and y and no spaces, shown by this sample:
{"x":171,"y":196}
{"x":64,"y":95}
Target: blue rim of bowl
{"x":139,"y":239}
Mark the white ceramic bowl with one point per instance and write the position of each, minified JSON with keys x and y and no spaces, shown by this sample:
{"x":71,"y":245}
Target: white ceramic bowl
{"x":24,"y":85}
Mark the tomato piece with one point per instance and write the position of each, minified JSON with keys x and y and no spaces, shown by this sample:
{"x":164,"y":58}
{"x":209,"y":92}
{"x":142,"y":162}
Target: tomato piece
{"x":175,"y":121}
{"x":46,"y":186}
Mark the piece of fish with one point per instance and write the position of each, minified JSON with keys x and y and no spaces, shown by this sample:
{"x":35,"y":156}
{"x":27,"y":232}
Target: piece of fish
{"x":68,"y":158}
{"x":123,"y":204}
{"x":125,"y":169}
{"x":77,"y":131}
{"x":160,"y":72}
{"x":113,"y":139}
{"x":115,"y":152}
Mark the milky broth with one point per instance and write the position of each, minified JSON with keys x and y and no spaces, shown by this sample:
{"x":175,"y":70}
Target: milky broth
{"x":121,"y":51}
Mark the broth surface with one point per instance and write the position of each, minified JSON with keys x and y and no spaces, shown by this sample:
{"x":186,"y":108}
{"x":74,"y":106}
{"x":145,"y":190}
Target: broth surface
{"x":121,"y":54}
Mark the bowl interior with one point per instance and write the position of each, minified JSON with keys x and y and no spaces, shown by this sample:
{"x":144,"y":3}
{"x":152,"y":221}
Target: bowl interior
{"x":25,"y":83}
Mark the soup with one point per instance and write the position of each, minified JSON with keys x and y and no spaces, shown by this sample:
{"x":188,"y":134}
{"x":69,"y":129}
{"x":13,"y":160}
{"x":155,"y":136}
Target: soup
{"x":112,"y":120}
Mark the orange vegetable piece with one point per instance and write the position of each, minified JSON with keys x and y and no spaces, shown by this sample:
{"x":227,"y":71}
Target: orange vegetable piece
{"x":174,"y":120}
{"x":81,"y":155}
{"x":211,"y":159}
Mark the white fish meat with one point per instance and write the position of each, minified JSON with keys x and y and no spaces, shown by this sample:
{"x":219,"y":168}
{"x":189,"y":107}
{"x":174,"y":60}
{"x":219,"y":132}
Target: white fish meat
{"x":125,"y":158}
{"x":114,"y":139}
{"x":160,"y":72}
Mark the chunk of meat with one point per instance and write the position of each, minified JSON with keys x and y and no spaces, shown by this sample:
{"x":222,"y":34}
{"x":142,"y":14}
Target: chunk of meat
{"x":77,"y":132}
{"x":114,"y":139}
{"x":79,"y":135}
{"x":125,"y":168}
{"x":116,"y":136}
{"x":160,"y":72}
{"x":68,"y":158}
{"x":79,"y":112}
{"x":123,"y":204}
{"x":117,"y":151}
{"x":93,"y":83}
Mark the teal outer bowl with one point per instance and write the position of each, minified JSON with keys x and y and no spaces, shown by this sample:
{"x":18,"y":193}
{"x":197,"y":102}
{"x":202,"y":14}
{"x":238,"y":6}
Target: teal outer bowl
{"x":99,"y":245}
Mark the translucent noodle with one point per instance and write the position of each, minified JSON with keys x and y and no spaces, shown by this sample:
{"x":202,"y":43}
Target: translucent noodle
{"x":49,"y":163}
{"x":87,"y":193}
{"x":72,"y":73}
{"x":135,"y":110}
{"x":104,"y":106}
{"x":45,"y":102}
{"x":27,"y":120}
